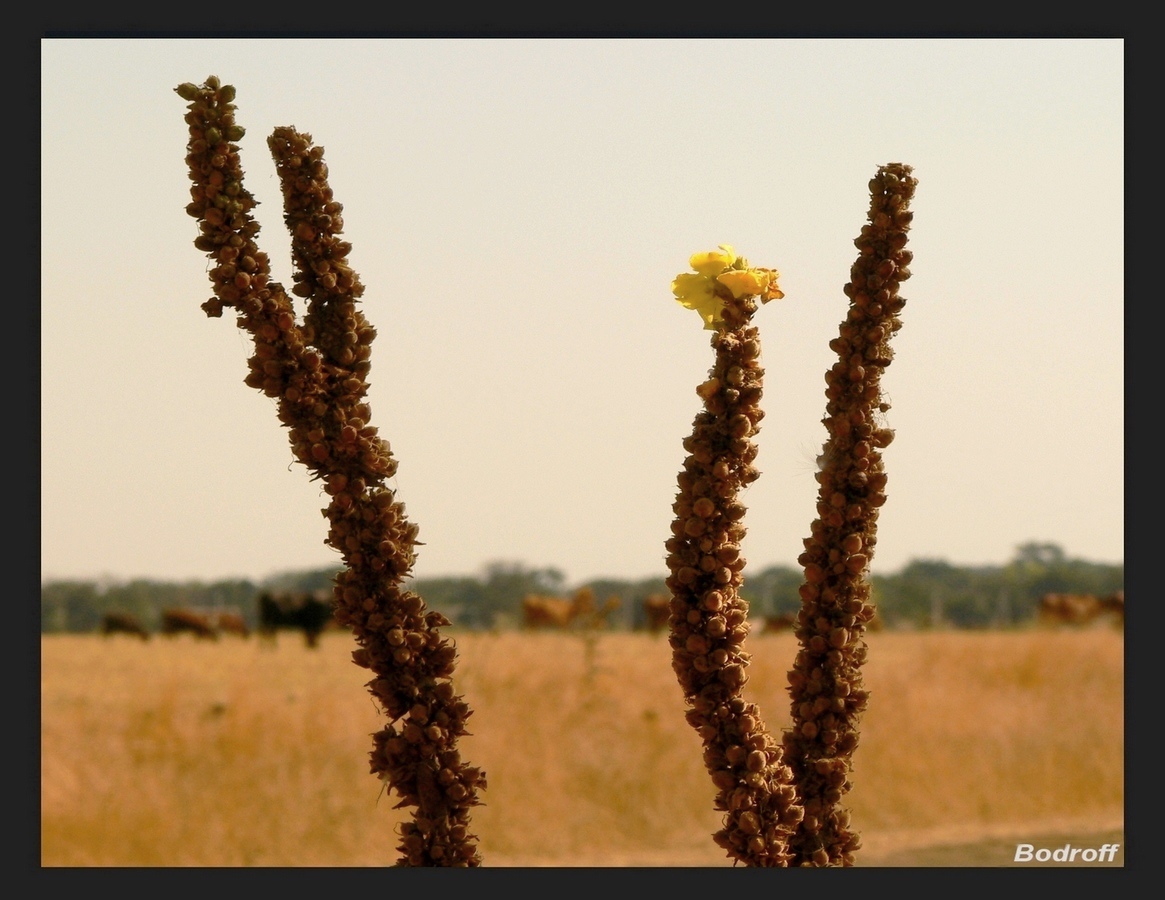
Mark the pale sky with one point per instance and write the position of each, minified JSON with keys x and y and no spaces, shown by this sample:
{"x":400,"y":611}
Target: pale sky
{"x":517,"y":210}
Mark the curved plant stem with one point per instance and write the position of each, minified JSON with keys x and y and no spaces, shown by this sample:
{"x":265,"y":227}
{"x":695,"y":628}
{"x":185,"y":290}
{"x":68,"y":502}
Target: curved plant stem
{"x":317,"y":373}
{"x":825,"y":683}
{"x":708,"y":617}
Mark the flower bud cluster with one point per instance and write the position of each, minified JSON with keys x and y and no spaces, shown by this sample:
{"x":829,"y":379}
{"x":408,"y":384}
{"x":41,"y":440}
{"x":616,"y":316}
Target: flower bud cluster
{"x":825,"y":682}
{"x":708,"y":618}
{"x":317,"y":372}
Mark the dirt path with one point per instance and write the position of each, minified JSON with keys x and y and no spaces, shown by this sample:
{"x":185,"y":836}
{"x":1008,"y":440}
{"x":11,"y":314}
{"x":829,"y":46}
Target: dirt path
{"x":957,"y":846}
{"x":1001,"y":851}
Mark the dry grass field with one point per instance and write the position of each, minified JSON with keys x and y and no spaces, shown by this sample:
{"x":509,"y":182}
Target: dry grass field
{"x":178,"y":752}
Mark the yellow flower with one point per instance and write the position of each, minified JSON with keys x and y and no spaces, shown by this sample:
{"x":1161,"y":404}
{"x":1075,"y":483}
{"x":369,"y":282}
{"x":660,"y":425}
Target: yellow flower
{"x":752,"y":282}
{"x":698,"y":290}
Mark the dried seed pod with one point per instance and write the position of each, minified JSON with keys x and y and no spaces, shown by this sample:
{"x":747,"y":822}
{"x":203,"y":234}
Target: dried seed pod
{"x":319,"y":380}
{"x":825,"y":683}
{"x":708,"y":616}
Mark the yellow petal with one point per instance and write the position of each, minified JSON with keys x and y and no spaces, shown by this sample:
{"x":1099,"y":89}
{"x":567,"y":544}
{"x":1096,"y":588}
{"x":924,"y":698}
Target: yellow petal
{"x":696,"y":292}
{"x":744,"y":282}
{"x":712,"y":262}
{"x":688,"y":284}
{"x":711,"y":311}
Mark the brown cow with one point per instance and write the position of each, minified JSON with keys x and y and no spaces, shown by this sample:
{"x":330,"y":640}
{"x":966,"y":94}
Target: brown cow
{"x":1114,"y":603}
{"x":1079,"y":609}
{"x":230,"y":622}
{"x":176,"y":621}
{"x":547,"y":612}
{"x":539,"y":611}
{"x":656,"y":611}
{"x":123,"y":623}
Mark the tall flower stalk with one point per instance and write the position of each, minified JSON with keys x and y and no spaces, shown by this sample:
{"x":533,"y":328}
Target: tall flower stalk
{"x":825,"y":682}
{"x":708,"y":618}
{"x":317,"y":372}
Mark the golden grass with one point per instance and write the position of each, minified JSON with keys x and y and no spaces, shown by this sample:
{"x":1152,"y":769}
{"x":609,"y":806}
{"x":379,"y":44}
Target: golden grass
{"x":183,"y":753}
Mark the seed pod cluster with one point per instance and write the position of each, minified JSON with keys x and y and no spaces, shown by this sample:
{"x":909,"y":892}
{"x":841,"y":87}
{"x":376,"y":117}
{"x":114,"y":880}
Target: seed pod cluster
{"x":708,"y":618}
{"x":825,"y":682}
{"x":317,"y":372}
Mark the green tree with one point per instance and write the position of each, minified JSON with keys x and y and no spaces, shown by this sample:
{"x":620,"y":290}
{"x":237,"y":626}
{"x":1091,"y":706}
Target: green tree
{"x":773,"y":591}
{"x":460,"y":599}
{"x":69,"y":606}
{"x":1039,"y":569}
{"x":507,"y":582}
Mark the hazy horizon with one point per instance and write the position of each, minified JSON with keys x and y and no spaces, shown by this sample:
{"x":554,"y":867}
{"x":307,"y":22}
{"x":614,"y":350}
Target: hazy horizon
{"x":108,"y":579}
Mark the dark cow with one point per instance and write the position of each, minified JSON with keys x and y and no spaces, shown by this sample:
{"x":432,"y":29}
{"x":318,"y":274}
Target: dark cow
{"x":306,"y":611}
{"x":177,"y":621}
{"x":123,"y":623}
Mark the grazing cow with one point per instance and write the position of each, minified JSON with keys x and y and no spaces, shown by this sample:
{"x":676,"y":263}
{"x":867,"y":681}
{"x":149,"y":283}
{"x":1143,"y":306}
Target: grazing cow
{"x":123,"y":623}
{"x":176,"y":621}
{"x":229,"y":622}
{"x":777,"y":623}
{"x":547,"y":612}
{"x":1114,"y":603}
{"x":539,"y":611}
{"x":656,"y":612}
{"x":1080,"y":609}
{"x":306,"y":611}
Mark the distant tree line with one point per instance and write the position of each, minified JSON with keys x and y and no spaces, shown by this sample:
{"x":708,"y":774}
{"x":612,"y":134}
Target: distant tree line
{"x":934,"y":593}
{"x":924,"y":594}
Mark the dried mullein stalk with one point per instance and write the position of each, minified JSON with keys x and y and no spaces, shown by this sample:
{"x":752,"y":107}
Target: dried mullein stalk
{"x":708,"y":617}
{"x":825,"y":682}
{"x":317,"y":372}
